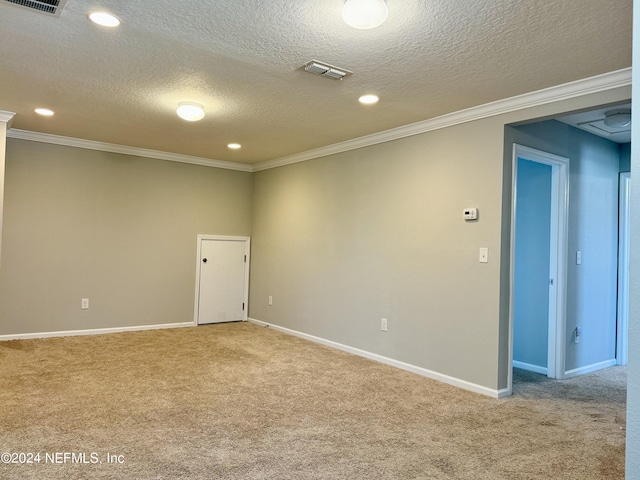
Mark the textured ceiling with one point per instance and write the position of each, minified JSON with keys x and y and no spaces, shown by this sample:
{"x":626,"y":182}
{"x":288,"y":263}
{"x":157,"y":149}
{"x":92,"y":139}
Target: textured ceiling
{"x":242,"y":59}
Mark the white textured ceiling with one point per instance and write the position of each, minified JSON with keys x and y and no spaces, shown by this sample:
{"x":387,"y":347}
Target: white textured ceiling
{"x":241,"y":59}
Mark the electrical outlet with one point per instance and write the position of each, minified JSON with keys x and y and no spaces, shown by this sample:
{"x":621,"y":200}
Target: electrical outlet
{"x":383,"y":324}
{"x":270,"y":300}
{"x":84,"y":304}
{"x":576,"y":335}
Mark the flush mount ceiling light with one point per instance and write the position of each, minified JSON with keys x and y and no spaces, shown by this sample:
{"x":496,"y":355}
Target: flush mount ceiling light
{"x":234,"y":146}
{"x":368,"y":99}
{"x":364,"y":14}
{"x":617,"y":118}
{"x":45,"y":112}
{"x":192,"y":112}
{"x":104,"y":19}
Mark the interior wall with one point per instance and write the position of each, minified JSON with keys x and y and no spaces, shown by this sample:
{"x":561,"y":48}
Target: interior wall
{"x":632,"y":471}
{"x":117,"y":229}
{"x":345,"y":240}
{"x":532,"y":257}
{"x":625,"y":157}
{"x":593,"y":230}
{"x":3,"y":136}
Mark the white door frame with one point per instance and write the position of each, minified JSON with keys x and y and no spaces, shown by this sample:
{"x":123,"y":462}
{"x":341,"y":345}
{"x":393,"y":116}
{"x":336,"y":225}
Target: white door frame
{"x":622,"y":353}
{"x":558,"y":256}
{"x":247,"y":250}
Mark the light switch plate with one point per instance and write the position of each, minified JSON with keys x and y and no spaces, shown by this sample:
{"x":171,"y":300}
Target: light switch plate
{"x":484,"y":255}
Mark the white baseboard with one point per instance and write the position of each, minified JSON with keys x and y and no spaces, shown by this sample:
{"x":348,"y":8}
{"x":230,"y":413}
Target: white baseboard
{"x":530,"y":367}
{"x":93,"y":331}
{"x":390,"y":361}
{"x":589,"y":368}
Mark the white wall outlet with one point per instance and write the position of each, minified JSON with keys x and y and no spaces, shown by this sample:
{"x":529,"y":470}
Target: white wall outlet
{"x":578,"y":258}
{"x":270,"y":300}
{"x":383,"y":324}
{"x":470,"y":213}
{"x":84,"y":304}
{"x":484,"y":255}
{"x":576,"y":335}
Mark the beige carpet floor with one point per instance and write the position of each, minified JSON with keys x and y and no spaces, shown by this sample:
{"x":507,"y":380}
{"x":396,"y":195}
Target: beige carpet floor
{"x":238,"y":401}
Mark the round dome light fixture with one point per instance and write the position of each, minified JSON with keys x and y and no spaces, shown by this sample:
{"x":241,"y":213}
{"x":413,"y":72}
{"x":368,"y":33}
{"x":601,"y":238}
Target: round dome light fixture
{"x":368,"y":99}
{"x":617,"y":118}
{"x":104,"y":19}
{"x":191,"y":112}
{"x":364,"y":14}
{"x":234,"y":146}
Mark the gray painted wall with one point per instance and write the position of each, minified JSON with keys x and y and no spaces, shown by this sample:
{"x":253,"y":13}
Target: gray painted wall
{"x":344,"y":240}
{"x":531,"y":284}
{"x":118,"y":229}
{"x":593,"y":230}
{"x":633,"y":379}
{"x":3,"y":144}
{"x":625,"y":157}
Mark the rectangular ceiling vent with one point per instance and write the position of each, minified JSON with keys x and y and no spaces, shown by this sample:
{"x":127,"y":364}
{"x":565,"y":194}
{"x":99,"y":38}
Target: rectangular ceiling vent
{"x":326,"y":70}
{"x":50,"y":7}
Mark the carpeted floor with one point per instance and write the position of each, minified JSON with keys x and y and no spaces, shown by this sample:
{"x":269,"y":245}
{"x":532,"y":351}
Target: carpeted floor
{"x":237,"y":401}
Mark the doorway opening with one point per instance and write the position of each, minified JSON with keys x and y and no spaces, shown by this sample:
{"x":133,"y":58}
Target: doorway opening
{"x":539,"y":243}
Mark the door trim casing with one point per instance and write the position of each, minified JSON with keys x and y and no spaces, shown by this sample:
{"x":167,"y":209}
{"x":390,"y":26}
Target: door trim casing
{"x":559,"y":255}
{"x":200,"y":239}
{"x":622,"y":317}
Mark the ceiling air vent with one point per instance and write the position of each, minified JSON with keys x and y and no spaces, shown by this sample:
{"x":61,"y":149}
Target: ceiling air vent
{"x":326,"y":70}
{"x":50,"y":7}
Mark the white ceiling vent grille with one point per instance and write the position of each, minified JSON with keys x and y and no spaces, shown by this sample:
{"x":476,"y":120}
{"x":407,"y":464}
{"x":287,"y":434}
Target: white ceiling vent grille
{"x":50,"y":7}
{"x":326,"y":70}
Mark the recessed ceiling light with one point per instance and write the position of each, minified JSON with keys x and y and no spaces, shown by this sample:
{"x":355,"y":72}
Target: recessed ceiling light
{"x":234,"y":146}
{"x":191,"y":112}
{"x":104,"y":19}
{"x":45,"y":112}
{"x":364,"y":14}
{"x":368,"y":99}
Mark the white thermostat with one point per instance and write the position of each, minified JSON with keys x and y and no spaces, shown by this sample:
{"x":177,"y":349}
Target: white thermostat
{"x":471,"y":213}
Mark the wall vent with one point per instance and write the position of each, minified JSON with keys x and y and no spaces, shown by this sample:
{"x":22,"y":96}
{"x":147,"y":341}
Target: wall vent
{"x":50,"y":7}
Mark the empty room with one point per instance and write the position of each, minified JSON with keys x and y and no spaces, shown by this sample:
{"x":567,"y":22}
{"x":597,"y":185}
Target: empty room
{"x":318,"y":239}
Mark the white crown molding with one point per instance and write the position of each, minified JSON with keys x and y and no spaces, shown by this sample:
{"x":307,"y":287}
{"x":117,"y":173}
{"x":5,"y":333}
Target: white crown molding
{"x":123,"y":149}
{"x":6,"y":117}
{"x":598,"y":83}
